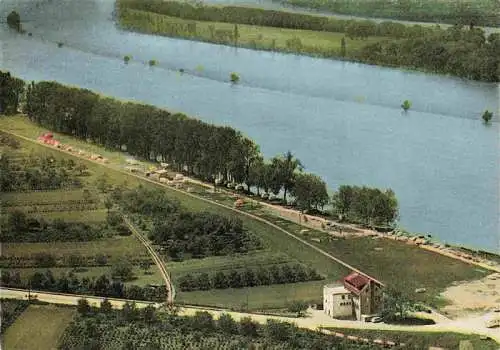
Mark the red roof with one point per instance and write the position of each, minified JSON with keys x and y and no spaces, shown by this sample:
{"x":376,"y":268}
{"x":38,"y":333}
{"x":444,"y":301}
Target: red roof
{"x":355,"y":282}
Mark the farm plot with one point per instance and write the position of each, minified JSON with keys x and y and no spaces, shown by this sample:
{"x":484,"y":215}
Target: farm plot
{"x":39,"y":327}
{"x":114,"y":246}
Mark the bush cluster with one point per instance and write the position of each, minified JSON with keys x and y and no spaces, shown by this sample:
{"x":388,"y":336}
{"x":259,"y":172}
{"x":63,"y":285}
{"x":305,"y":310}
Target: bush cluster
{"x":36,"y":173}
{"x":133,"y":328}
{"x":249,"y":278}
{"x":186,"y":234}
{"x":17,"y":227}
{"x":70,"y":283}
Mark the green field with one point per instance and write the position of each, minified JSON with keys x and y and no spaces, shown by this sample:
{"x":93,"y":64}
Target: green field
{"x":256,"y":37}
{"x":115,"y":246}
{"x":38,"y":327}
{"x":259,"y":298}
{"x":421,"y":340}
{"x":397,"y":264}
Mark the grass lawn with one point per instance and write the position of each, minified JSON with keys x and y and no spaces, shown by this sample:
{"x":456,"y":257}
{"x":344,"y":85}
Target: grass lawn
{"x":422,"y":340}
{"x":86,"y":216}
{"x":39,"y":327}
{"x":259,"y":298}
{"x":258,"y":37}
{"x":404,"y":266}
{"x":115,"y":246}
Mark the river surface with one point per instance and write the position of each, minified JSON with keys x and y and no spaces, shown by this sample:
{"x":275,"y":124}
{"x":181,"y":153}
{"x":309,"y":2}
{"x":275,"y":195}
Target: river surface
{"x":341,"y":119}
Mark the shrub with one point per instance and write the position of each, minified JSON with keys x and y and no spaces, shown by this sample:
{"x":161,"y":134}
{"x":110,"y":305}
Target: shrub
{"x":234,"y":77}
{"x":127,"y":58}
{"x":153,"y":62}
{"x":487,"y":116}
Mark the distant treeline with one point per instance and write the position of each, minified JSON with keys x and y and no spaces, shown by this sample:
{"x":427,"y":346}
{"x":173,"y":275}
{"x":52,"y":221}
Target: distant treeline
{"x":459,"y":51}
{"x":249,"y":278}
{"x":477,"y":12}
{"x":274,"y":18}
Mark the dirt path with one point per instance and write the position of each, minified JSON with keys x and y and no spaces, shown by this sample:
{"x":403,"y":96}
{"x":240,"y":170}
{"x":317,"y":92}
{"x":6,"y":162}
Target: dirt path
{"x":157,"y":260}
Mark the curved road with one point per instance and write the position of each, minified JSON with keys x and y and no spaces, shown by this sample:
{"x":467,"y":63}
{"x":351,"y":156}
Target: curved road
{"x":316,"y":320}
{"x":157,"y":260}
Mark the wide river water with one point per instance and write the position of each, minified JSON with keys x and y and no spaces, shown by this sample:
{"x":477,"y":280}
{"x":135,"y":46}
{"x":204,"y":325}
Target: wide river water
{"x":341,"y":119}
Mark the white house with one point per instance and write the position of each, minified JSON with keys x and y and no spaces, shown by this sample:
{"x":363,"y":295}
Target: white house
{"x":337,"y":300}
{"x":357,"y":296}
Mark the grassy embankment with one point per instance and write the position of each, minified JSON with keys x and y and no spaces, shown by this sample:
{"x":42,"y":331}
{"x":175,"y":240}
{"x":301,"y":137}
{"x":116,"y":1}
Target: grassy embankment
{"x":38,"y":327}
{"x":422,"y":340}
{"x":483,"y":11}
{"x":316,"y":43}
{"x":397,"y":264}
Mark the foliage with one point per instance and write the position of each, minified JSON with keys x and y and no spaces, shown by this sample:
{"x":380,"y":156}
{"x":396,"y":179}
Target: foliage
{"x":14,"y":21}
{"x":180,"y":232}
{"x":475,"y":12}
{"x":284,"y":170}
{"x":249,"y":278}
{"x":10,"y":309}
{"x":153,"y":62}
{"x":83,"y":306}
{"x":396,"y":306}
{"x":201,"y":235}
{"x":17,"y":227}
{"x":36,"y":173}
{"x":122,"y":270}
{"x":309,"y":191}
{"x":370,"y":206}
{"x":201,"y":331}
{"x":458,"y":51}
{"x":11,"y":91}
{"x":406,"y":105}
{"x":70,"y":283}
{"x":298,"y":307}
{"x":234,"y":77}
{"x":487,"y":116}
{"x":127,"y":58}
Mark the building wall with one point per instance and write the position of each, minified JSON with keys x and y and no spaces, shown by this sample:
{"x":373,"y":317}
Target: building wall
{"x":337,"y":305}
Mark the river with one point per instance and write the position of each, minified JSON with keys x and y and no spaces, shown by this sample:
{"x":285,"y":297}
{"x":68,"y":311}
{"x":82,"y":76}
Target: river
{"x":341,"y":119}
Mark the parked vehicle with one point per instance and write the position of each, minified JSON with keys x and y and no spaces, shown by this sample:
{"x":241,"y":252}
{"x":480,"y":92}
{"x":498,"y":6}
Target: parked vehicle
{"x":377,"y":319}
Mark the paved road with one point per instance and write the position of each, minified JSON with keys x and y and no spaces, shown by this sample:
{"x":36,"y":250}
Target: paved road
{"x":314,"y":321}
{"x":156,"y":258}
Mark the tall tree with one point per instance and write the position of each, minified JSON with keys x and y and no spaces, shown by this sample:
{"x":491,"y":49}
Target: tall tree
{"x":309,"y":191}
{"x":285,"y":168}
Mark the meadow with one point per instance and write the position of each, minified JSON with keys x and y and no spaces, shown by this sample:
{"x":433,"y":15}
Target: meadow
{"x":316,"y":43}
{"x":38,"y":327}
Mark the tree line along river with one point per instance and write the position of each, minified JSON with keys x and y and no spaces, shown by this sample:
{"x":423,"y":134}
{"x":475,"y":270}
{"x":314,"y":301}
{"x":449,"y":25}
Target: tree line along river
{"x":341,"y":119}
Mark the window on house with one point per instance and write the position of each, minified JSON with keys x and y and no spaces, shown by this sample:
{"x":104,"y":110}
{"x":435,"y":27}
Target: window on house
{"x":343,"y":297}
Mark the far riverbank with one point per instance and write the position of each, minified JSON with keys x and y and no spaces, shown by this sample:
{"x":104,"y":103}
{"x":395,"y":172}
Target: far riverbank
{"x":385,"y":44}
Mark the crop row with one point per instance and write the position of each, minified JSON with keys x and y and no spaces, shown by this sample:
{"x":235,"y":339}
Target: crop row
{"x":33,"y":203}
{"x":59,"y":208}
